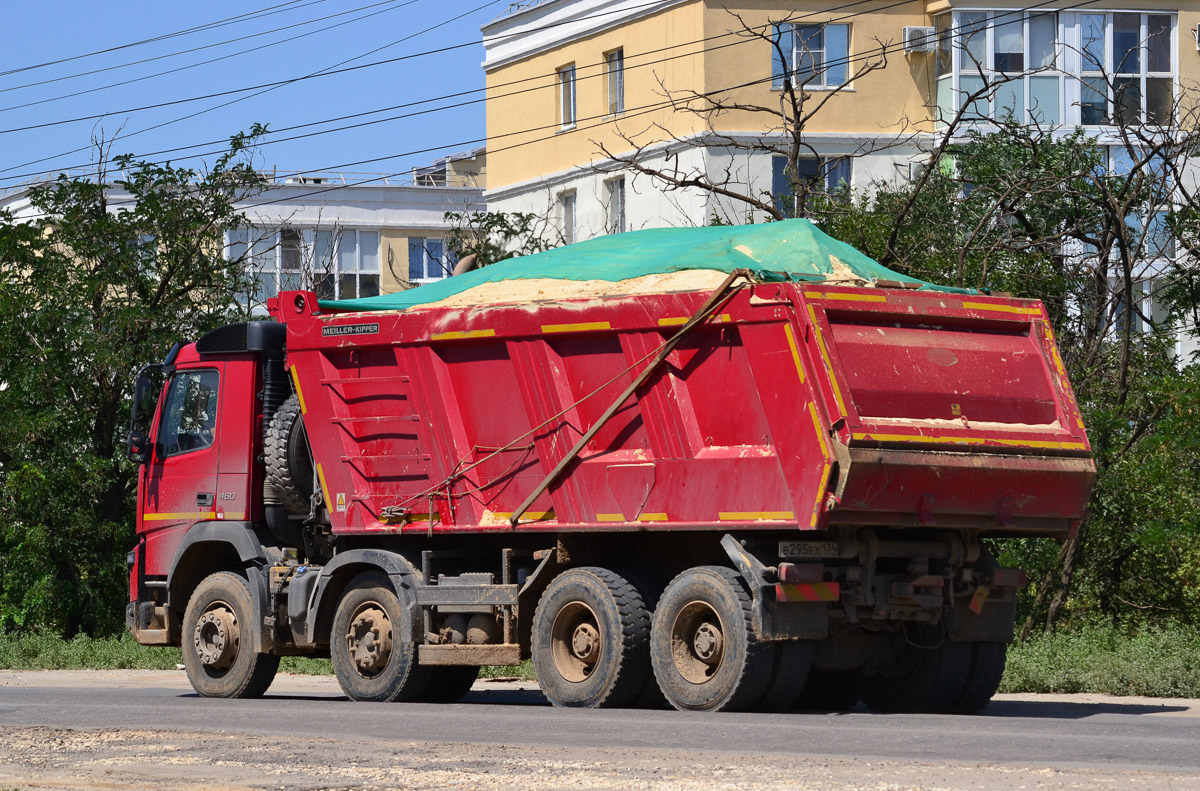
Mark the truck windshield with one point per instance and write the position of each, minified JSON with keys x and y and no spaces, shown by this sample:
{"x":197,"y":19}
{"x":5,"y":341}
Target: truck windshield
{"x":191,"y":413}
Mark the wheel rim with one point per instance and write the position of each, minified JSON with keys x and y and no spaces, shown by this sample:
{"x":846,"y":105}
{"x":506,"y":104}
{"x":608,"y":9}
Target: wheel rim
{"x":369,"y":639}
{"x":217,"y":637}
{"x":576,"y":642}
{"x":697,"y":642}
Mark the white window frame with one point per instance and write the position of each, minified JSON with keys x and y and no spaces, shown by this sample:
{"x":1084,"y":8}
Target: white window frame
{"x":567,"y":206}
{"x":308,"y":274}
{"x":614,"y":70}
{"x":1070,"y":67}
{"x":566,"y":97}
{"x":433,"y":270}
{"x":794,"y":44}
{"x":959,"y":67}
{"x":1143,"y":75}
{"x":614,"y":205}
{"x":363,"y":265}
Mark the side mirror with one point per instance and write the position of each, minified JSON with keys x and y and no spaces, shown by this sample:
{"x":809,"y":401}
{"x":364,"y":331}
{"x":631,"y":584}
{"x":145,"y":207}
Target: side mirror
{"x":141,"y":413}
{"x":139,"y":450}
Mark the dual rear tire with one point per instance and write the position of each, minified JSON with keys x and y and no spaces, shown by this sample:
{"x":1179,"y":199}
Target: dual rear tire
{"x":596,"y":645}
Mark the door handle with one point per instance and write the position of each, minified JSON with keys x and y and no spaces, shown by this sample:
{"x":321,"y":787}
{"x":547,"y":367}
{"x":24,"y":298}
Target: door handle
{"x":205,"y":498}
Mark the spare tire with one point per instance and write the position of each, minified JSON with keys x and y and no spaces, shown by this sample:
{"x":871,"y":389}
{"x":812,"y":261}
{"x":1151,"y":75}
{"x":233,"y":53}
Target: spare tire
{"x":288,"y":459}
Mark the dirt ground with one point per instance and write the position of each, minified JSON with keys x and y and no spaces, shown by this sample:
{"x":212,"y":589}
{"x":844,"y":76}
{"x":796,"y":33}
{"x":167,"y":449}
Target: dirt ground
{"x":49,"y":758}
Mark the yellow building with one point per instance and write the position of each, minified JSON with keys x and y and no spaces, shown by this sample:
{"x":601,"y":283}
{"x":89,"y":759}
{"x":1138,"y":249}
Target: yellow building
{"x":573,"y":83}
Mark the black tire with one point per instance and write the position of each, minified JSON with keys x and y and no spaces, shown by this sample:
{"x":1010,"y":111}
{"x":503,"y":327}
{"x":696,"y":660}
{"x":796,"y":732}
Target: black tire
{"x":288,"y":459}
{"x":924,"y":679}
{"x":449,"y":683}
{"x":650,"y":586}
{"x":987,"y":668}
{"x":703,"y":649}
{"x":371,"y":658}
{"x":216,"y":643}
{"x":829,"y":690}
{"x":590,"y":640}
{"x":793,"y":661}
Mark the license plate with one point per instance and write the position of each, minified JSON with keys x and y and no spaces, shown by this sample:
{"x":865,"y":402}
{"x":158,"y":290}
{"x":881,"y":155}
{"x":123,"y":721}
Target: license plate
{"x":808,"y":549}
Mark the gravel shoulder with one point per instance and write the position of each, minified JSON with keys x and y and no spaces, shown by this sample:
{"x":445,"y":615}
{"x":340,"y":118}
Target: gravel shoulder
{"x":49,"y":758}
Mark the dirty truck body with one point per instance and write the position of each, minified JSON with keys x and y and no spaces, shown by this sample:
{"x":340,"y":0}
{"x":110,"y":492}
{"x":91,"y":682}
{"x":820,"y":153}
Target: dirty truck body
{"x":785,"y":510}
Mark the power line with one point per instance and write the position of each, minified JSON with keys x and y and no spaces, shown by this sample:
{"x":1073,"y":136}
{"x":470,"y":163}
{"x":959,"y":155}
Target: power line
{"x":461,"y":93}
{"x":862,"y":57}
{"x":602,"y":119}
{"x":262,"y":12}
{"x":605,"y":119}
{"x":193,"y":49}
{"x":288,"y":82}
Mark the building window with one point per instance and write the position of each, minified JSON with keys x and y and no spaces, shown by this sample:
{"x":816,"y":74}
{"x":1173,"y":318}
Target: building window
{"x":566,"y":213}
{"x":827,"y":174}
{"x":1016,"y":65}
{"x":357,"y":264}
{"x":1008,"y":60}
{"x":335,"y":264}
{"x":1127,"y":74}
{"x":428,"y":259}
{"x":614,"y":190}
{"x":566,"y":96}
{"x":614,"y":68}
{"x":811,"y":56}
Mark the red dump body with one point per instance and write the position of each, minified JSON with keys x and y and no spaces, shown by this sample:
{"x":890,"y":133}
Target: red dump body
{"x":795,"y":407}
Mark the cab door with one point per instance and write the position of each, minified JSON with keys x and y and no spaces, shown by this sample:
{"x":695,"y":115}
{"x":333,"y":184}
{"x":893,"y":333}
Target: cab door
{"x":181,"y":481}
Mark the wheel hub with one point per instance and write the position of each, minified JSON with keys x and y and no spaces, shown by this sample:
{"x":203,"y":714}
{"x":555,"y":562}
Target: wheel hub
{"x":576,"y":642}
{"x":697,"y":642}
{"x":585,"y":643}
{"x":217,"y":636}
{"x":708,"y":643}
{"x":369,"y":639}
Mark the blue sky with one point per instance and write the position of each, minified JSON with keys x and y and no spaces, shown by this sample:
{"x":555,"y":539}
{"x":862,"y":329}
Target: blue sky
{"x":52,"y":30}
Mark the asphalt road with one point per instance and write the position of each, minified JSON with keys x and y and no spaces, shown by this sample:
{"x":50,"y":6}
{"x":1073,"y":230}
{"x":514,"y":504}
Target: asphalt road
{"x":1060,"y":733}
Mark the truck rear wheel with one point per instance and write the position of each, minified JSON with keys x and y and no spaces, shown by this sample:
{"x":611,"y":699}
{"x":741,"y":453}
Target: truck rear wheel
{"x":703,"y":649}
{"x":793,"y":659}
{"x":926,"y":677}
{"x":216,"y":641}
{"x":590,"y":640}
{"x":983,"y":679}
{"x":287,"y":457}
{"x":371,"y":657}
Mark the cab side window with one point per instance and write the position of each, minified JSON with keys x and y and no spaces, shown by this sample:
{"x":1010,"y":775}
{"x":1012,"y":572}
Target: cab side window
{"x":190,"y":418}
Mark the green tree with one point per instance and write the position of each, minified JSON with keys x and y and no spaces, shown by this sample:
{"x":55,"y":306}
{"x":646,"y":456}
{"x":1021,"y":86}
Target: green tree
{"x":109,"y":273}
{"x":494,"y":236}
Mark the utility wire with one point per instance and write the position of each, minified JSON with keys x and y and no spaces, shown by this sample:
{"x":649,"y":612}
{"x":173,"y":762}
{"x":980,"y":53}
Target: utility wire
{"x":262,"y":12}
{"x":287,"y":82}
{"x":740,"y":40}
{"x":194,"y":49}
{"x":328,"y":72}
{"x":601,"y":120}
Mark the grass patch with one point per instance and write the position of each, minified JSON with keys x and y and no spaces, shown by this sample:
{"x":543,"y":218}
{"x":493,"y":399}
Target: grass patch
{"x":1153,"y":661}
{"x":44,"y":650}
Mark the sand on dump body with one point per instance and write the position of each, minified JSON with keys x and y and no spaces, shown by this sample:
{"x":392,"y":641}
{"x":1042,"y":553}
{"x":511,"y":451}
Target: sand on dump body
{"x":551,"y":289}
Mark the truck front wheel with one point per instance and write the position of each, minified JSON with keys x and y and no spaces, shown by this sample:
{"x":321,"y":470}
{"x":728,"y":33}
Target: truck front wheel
{"x":704,"y":651}
{"x":371,"y":657}
{"x":590,"y":638}
{"x":216,"y":642}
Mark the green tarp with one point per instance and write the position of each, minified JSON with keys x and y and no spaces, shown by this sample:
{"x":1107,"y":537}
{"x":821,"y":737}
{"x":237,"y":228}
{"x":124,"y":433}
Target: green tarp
{"x":794,"y":249}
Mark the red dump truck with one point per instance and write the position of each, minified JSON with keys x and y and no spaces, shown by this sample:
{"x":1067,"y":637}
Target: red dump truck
{"x":766,"y":494}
